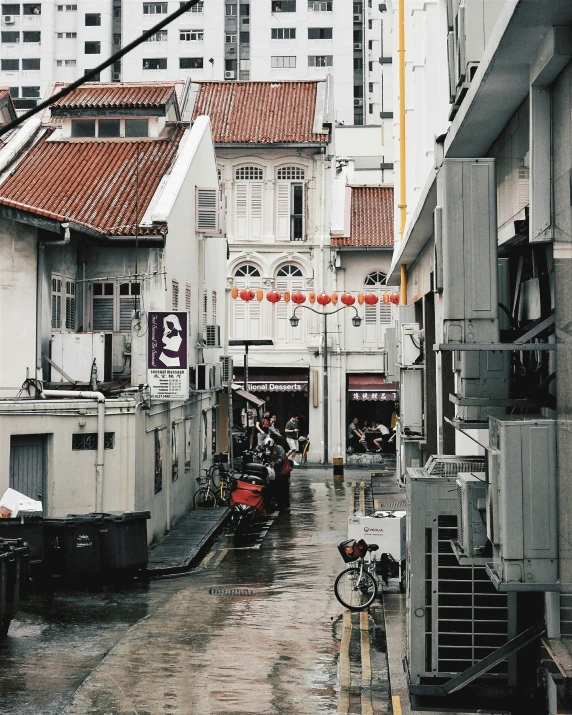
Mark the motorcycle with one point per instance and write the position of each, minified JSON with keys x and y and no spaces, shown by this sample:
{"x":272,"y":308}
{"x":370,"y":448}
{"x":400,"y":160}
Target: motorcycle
{"x":250,"y":494}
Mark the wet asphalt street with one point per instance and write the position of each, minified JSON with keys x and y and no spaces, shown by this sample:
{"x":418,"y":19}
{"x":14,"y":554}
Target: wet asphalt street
{"x":255,"y":629}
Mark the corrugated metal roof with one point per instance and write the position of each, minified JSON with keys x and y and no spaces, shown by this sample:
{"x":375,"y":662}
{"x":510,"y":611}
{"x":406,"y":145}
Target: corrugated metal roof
{"x":92,"y":182}
{"x":117,"y":94}
{"x":371,"y":218}
{"x":260,"y":112}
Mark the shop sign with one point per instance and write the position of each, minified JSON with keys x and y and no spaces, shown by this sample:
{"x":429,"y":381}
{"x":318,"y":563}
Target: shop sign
{"x":275,"y":386}
{"x":373,"y":396}
{"x":167,"y":360}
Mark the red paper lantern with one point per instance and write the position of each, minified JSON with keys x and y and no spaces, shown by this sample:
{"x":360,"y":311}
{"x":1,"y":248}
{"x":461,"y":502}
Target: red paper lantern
{"x":298,"y":297}
{"x":394,"y":298}
{"x":312,"y":298}
{"x":234,"y":292}
{"x":385,"y":298}
{"x":334,"y":298}
{"x":360,"y":298}
{"x":273,"y":296}
{"x":347,"y":299}
{"x":286,"y":296}
{"x":370,"y":298}
{"x":323,"y":299}
{"x":259,"y":294}
{"x":247,"y":294}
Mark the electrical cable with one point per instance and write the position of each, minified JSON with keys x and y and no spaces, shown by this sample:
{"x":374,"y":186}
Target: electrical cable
{"x":185,"y":6}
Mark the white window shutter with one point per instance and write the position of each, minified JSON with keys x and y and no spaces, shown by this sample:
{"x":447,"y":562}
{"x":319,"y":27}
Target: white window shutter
{"x":207,"y":211}
{"x":256,"y":223}
{"x":370,"y":325}
{"x":241,"y":211}
{"x":247,"y":315}
{"x":283,"y":212}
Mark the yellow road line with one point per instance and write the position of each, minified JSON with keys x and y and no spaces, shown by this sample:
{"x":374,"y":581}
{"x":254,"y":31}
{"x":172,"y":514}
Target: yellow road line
{"x":345,"y":672}
{"x":396,"y":703}
{"x":221,"y":556}
{"x":344,"y":702}
{"x":376,"y":504}
{"x":207,"y":558}
{"x":365,"y":649}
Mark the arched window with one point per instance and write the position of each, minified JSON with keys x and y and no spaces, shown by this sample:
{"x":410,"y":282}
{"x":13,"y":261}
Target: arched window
{"x":288,"y":278}
{"x":246,"y":315}
{"x":379,"y":316}
{"x":248,"y":200}
{"x":290,"y":203}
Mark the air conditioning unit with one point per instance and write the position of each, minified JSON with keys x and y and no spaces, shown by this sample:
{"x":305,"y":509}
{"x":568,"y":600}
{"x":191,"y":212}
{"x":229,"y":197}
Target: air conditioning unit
{"x":74,"y":353}
{"x":357,"y":45}
{"x":212,"y":337}
{"x":116,"y":76}
{"x":472,"y":506}
{"x":358,"y":17}
{"x":523,"y":503}
{"x":217,"y":375}
{"x":358,"y":102}
{"x":230,"y":74}
{"x":227,"y":369}
{"x":391,"y":372}
{"x":9,"y":19}
{"x":204,"y":377}
{"x":410,"y":345}
{"x":411,"y":399}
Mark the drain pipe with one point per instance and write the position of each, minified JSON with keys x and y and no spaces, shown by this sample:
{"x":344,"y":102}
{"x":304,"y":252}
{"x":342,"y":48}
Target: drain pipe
{"x":88,"y":395}
{"x":402,"y":157}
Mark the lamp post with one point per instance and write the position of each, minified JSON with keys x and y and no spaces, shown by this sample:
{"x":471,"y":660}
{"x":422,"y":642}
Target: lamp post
{"x":356,"y":322}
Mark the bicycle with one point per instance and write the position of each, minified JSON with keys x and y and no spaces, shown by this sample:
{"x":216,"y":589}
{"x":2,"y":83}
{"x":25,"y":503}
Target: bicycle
{"x":356,"y":587}
{"x":222,"y":491}
{"x":205,"y":497}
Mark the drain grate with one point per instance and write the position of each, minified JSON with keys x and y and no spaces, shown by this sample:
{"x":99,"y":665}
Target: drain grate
{"x":231,"y":592}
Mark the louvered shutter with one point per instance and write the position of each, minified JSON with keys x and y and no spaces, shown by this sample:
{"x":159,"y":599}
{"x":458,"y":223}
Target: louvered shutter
{"x":126,"y":308}
{"x":70,"y":312}
{"x":247,"y":315}
{"x":283,"y":212}
{"x":256,"y":227}
{"x":56,"y":311}
{"x":241,"y":211}
{"x":384,"y":312}
{"x":207,"y":211}
{"x":103,"y":314}
{"x":370,"y":325}
{"x":284,"y":332}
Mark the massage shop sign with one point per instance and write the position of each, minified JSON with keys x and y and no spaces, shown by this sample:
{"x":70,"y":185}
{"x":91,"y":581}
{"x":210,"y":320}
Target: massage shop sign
{"x":167,"y":359}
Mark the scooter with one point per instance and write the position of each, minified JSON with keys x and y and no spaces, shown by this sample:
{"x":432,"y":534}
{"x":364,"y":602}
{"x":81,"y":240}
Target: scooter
{"x":249,"y":496}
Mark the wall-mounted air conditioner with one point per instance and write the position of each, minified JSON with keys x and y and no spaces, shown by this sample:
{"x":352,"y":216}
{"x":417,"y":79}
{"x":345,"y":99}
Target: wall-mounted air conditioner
{"x":523,"y":504}
{"x":357,"y":45}
{"x":229,"y":74}
{"x":411,"y":402}
{"x":473,"y":24}
{"x":204,"y":377}
{"x":231,"y":50}
{"x":471,"y":515}
{"x":116,"y":76}
{"x":227,"y":369}
{"x":212,"y":337}
{"x":392,"y":371}
{"x":9,"y":19}
{"x":410,"y":345}
{"x":217,"y":375}
{"x":358,"y":102}
{"x":358,"y":17}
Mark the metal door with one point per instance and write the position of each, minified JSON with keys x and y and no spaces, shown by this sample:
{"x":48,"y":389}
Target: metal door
{"x":28,"y":466}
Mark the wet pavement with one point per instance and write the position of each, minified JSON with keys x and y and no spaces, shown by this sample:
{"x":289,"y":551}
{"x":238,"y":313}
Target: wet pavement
{"x":254,"y":629}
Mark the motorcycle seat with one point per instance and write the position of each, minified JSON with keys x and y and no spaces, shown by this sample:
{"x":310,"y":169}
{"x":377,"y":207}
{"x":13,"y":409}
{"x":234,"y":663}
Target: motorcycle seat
{"x":372,"y":547}
{"x":253,"y":479}
{"x":255,"y":469}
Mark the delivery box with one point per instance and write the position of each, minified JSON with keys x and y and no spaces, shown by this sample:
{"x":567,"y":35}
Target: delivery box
{"x":384,"y":528}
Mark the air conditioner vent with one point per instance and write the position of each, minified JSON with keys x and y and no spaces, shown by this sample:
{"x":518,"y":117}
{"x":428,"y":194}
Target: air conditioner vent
{"x":229,"y":74}
{"x":9,"y":19}
{"x":212,"y":338}
{"x":227,"y":369}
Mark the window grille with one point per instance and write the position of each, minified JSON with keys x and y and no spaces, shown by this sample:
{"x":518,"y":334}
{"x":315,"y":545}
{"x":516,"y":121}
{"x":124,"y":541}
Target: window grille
{"x":70,"y":305}
{"x":88,"y":441}
{"x":175,"y":295}
{"x":289,"y":270}
{"x":249,"y":173}
{"x":290,"y":173}
{"x":56,"y":302}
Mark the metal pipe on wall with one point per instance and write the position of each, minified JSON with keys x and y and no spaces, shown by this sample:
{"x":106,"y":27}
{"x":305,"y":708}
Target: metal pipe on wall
{"x":402,"y":155}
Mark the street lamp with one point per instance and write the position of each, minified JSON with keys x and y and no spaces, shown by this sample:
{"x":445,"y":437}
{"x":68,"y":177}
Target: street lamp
{"x":294,"y":322}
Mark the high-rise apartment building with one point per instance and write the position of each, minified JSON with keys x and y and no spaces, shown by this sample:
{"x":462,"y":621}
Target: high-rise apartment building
{"x":45,"y":42}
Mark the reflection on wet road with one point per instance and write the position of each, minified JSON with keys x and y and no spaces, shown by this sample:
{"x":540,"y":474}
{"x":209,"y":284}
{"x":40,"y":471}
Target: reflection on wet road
{"x":255,"y":629}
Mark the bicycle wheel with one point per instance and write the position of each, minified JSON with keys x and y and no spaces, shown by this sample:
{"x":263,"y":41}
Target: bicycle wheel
{"x":214,"y":474}
{"x":354,"y":591}
{"x":204,"y":498}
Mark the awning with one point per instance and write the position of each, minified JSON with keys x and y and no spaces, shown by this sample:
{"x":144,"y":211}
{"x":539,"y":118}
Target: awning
{"x":291,"y":382}
{"x":249,"y":397}
{"x":371,"y":388}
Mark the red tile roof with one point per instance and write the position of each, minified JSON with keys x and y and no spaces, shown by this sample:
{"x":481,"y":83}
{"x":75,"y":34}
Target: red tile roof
{"x":371,"y":218}
{"x":260,"y":112}
{"x":117,"y":95}
{"x":91,"y":183}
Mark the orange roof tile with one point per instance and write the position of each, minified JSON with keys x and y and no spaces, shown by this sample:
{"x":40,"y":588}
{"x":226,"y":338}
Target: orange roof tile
{"x":117,"y":95}
{"x":371,"y":218}
{"x":260,"y":112}
{"x":91,"y":183}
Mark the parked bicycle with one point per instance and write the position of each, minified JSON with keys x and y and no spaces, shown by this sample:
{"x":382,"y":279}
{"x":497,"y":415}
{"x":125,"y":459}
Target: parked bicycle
{"x":356,"y":587}
{"x":205,"y":496}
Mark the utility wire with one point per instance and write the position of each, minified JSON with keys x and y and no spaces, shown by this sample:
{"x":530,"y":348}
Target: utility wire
{"x":94,"y":72}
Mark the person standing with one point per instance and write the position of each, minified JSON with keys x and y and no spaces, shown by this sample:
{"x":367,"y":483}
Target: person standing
{"x":248,"y":423}
{"x":262,"y":427}
{"x":291,"y":431}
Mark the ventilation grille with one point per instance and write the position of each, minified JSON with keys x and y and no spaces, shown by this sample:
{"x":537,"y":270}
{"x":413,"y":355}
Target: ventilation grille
{"x":451,"y":465}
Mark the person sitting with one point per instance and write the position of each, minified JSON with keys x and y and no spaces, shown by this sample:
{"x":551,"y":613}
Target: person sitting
{"x":356,"y":437}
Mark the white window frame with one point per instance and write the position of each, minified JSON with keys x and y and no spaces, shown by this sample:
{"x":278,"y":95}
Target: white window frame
{"x":160,"y":36}
{"x":283,"y":333}
{"x":150,"y":8}
{"x":70,"y":305}
{"x":118,"y":298}
{"x":320,"y":61}
{"x":378,"y":317}
{"x":191,"y":35}
{"x":278,"y":62}
{"x":247,"y":316}
{"x":56,"y":302}
{"x":248,"y":205}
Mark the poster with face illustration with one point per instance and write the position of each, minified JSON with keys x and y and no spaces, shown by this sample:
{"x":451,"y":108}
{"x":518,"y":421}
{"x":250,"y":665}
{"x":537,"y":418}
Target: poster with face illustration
{"x":167,"y":361}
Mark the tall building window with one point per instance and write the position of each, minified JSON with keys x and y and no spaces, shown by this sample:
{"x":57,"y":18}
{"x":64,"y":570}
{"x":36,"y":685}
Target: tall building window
{"x":155,"y":63}
{"x":290,"y":201}
{"x":378,"y":316}
{"x":320,"y":60}
{"x":160,"y":36}
{"x":283,"y":33}
{"x":187,"y":63}
{"x":9,"y":65}
{"x":10,"y":8}
{"x":283,"y":5}
{"x":31,"y":64}
{"x":320,"y":33}
{"x":92,"y":19}
{"x":320,"y":5}
{"x":283,"y":62}
{"x":32,"y":37}
{"x":246,"y":315}
{"x":288,"y":278}
{"x":175,"y":295}
{"x":10,"y":37}
{"x":248,"y":203}
{"x":31,"y":9}
{"x":191,"y":35}
{"x":92,"y":48}
{"x":155,"y":8}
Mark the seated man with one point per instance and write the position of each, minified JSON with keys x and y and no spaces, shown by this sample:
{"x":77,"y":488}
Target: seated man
{"x":355,"y":437}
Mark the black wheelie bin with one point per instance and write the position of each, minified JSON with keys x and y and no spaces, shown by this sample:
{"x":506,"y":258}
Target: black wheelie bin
{"x":14,"y":575}
{"x":72,"y":547}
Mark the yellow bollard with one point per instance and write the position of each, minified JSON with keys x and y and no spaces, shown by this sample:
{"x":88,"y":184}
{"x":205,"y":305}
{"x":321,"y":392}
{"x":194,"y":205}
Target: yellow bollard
{"x":338,"y":469}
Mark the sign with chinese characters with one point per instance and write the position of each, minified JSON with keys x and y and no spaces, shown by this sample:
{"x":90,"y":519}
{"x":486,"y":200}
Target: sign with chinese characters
{"x":167,"y":361}
{"x":375,"y":396}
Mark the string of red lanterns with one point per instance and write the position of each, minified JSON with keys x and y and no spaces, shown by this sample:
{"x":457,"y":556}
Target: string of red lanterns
{"x":323,"y":298}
